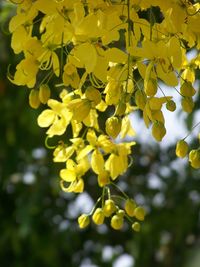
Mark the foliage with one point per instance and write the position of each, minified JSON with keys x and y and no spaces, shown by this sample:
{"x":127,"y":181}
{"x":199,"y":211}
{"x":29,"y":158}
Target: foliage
{"x":93,"y":78}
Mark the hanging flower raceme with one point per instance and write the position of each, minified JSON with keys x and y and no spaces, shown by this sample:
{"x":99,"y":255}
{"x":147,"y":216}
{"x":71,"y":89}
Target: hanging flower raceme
{"x":93,"y":63}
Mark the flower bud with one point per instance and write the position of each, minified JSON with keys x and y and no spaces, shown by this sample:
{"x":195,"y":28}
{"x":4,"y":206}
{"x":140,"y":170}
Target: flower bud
{"x":140,"y":213}
{"x":194,"y":158}
{"x":171,"y":105}
{"x":136,"y":226}
{"x":113,"y":126}
{"x":120,"y":213}
{"x":181,"y":149}
{"x":83,"y":220}
{"x":98,"y":216}
{"x":109,"y":207}
{"x":130,"y":207}
{"x":117,"y":222}
{"x":187,"y":89}
{"x":44,"y":93}
{"x":34,"y":100}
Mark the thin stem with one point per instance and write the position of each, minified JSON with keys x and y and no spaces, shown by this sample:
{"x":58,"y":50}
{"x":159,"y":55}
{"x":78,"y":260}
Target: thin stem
{"x":119,"y":189}
{"x":191,"y":130}
{"x":96,"y":204}
{"x":47,"y":145}
{"x":103,"y":196}
{"x":116,"y":196}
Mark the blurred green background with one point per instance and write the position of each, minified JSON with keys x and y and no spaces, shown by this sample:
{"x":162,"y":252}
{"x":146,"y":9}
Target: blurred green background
{"x":38,"y":221}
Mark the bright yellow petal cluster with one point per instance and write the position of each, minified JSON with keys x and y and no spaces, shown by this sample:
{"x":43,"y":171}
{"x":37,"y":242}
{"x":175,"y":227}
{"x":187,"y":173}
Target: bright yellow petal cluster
{"x":93,"y":63}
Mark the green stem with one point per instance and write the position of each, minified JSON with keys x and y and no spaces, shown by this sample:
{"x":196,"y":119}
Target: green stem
{"x":47,"y":145}
{"x":119,"y":189}
{"x":191,"y":130}
{"x":96,"y":204}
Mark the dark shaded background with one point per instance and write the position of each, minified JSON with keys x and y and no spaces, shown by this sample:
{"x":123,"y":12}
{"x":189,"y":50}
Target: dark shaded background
{"x":38,"y":221}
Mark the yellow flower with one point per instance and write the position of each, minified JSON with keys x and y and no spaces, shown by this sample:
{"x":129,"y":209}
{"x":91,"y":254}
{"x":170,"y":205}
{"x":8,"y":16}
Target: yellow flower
{"x":80,"y":108}
{"x":62,"y":153}
{"x":26,"y":72}
{"x":93,"y":95}
{"x":58,"y":118}
{"x":117,"y":163}
{"x":70,"y":75}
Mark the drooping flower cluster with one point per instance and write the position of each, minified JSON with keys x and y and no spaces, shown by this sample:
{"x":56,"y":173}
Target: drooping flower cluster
{"x":92,"y":63}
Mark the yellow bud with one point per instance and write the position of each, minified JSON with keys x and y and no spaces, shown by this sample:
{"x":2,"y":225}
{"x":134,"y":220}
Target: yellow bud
{"x":136,"y":226}
{"x":130,"y":206}
{"x":109,"y":207}
{"x":98,"y":216}
{"x":194,"y":158}
{"x":83,"y":220}
{"x":171,"y":105}
{"x":181,"y":149}
{"x":93,"y":95}
{"x":158,"y":131}
{"x":139,"y":213}
{"x":140,"y":99}
{"x":120,"y":213}
{"x":187,"y":104}
{"x":44,"y":93}
{"x":117,"y":222}
{"x":187,"y":89}
{"x":113,"y":126}
{"x":34,"y":100}
{"x":151,"y":87}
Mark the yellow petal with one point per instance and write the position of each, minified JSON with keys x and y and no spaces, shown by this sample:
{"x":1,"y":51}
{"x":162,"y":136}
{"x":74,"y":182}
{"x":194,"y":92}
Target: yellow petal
{"x":97,"y":162}
{"x":67,"y":175}
{"x":46,"y":118}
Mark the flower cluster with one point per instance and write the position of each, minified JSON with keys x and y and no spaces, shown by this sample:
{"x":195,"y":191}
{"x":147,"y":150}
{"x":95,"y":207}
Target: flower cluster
{"x":109,"y":209}
{"x":92,"y":63}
